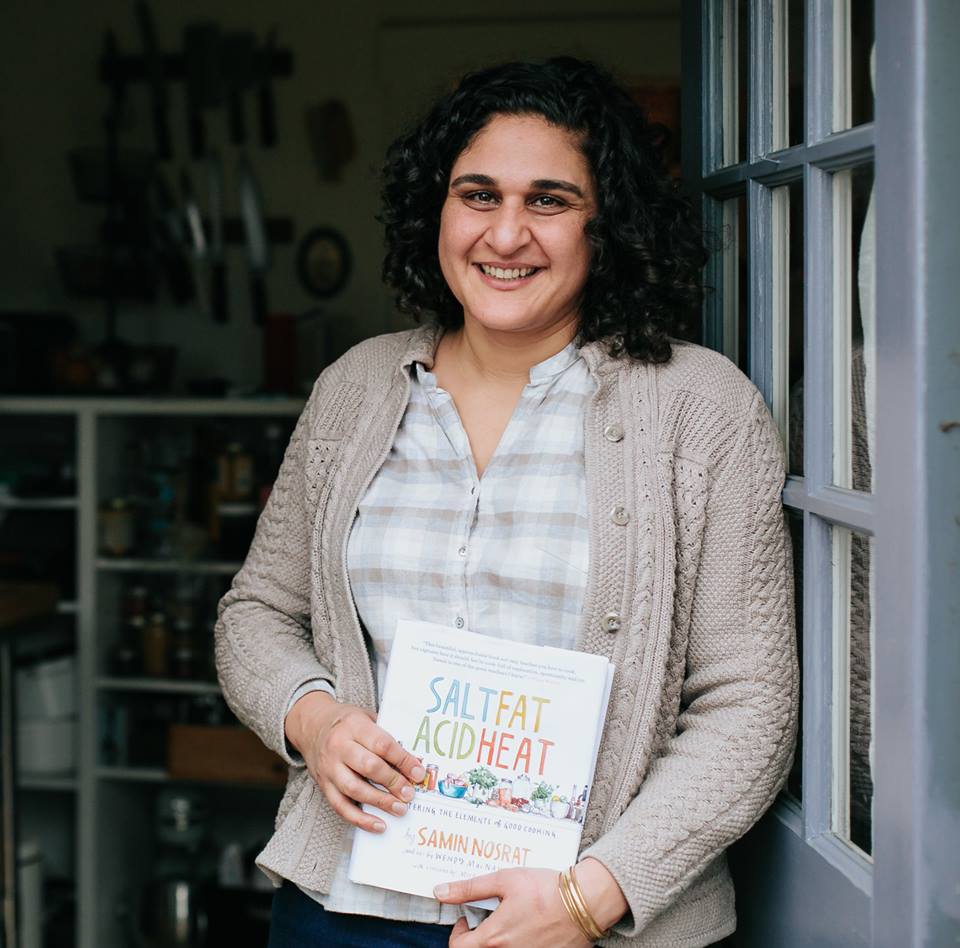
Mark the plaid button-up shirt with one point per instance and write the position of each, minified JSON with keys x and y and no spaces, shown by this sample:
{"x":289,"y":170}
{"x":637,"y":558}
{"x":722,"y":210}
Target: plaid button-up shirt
{"x":505,"y":554}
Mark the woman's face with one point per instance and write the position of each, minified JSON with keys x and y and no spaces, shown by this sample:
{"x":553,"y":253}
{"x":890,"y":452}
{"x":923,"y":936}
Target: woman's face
{"x":512,"y":244}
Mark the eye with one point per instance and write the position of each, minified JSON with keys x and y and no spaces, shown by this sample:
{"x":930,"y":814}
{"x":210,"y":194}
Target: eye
{"x":480,"y":197}
{"x":547,"y":202}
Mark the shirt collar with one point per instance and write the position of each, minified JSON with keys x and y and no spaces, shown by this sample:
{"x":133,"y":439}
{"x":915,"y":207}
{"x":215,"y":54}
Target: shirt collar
{"x":423,"y":346}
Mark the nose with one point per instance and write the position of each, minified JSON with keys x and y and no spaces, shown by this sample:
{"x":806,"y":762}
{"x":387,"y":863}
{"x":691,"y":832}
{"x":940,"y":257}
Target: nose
{"x":508,"y":231}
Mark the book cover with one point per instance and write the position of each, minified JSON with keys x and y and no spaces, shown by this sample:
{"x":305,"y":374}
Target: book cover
{"x":508,"y":733}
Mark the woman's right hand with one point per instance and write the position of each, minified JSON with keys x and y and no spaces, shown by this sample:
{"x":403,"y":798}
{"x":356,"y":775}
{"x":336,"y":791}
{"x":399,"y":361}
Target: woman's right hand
{"x":343,"y":749}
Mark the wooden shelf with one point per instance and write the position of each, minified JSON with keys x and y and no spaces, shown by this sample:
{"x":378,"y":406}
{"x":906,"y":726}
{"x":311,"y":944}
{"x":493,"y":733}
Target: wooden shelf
{"x":37,"y":503}
{"x":229,"y":509}
{"x":161,"y":406}
{"x":159,"y":686}
{"x":146,"y":565}
{"x":154,"y":775}
{"x":54,"y":784}
{"x":133,"y":774}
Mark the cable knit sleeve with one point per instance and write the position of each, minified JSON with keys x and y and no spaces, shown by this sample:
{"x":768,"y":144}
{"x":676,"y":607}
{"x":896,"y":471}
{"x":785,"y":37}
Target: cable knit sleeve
{"x":264,"y":644}
{"x":735,"y":733}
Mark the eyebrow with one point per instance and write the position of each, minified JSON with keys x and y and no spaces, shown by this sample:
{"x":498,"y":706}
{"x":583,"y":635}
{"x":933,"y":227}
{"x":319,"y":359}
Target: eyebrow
{"x":541,"y":184}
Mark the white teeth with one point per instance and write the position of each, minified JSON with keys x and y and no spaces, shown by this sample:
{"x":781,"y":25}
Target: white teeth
{"x":508,"y":274}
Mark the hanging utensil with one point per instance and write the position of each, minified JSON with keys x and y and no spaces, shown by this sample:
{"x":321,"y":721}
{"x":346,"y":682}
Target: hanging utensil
{"x":169,"y":237}
{"x":267,"y":107}
{"x":201,"y":58}
{"x":255,"y":233}
{"x":197,"y":238}
{"x":153,"y":61}
{"x":239,"y":51}
{"x":218,"y":266}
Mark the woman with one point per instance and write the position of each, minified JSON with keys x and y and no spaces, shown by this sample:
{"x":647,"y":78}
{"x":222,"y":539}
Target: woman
{"x":539,"y":462}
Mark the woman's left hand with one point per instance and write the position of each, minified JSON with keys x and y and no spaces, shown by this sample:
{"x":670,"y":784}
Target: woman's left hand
{"x":530,"y":913}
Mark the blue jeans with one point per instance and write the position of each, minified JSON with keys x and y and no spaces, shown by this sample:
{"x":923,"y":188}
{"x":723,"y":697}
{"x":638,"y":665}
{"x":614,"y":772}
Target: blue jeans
{"x":297,"y":921}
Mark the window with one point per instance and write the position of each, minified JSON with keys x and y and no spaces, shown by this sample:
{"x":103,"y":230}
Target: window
{"x":787,"y":182}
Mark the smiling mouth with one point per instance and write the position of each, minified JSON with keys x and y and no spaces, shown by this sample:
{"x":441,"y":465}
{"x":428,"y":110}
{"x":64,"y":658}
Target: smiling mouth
{"x":508,"y":274}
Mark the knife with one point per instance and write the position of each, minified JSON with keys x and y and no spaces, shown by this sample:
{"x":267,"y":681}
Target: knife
{"x":197,"y":237}
{"x":218,"y":266}
{"x":170,"y":240}
{"x":154,"y":67}
{"x":267,"y":110}
{"x":255,"y":234}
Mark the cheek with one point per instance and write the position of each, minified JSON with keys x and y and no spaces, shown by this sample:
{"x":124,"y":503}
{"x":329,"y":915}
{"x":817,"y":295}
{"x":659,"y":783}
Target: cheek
{"x":455,"y":235}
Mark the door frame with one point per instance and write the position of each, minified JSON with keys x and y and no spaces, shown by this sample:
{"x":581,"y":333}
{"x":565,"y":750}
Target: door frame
{"x":794,"y":881}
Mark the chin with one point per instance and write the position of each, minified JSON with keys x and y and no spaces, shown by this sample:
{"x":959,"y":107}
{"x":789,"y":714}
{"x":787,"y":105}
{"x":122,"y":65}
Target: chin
{"x":499,"y":321}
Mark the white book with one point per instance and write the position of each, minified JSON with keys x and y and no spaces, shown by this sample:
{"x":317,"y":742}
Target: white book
{"x":509,"y":734}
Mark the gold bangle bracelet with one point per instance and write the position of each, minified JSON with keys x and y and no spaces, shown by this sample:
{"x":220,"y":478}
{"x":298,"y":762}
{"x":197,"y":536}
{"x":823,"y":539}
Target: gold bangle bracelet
{"x":567,"y":898}
{"x":587,"y":925}
{"x":578,"y":895}
{"x":570,"y":886}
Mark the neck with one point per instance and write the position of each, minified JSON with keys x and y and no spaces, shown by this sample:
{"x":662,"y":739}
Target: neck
{"x":506,"y":356}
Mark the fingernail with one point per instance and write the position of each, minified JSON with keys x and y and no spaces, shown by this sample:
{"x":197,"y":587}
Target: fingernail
{"x":418,"y":773}
{"x":399,"y":808}
{"x":407,"y":793}
{"x":379,"y":827}
{"x":441,"y":891}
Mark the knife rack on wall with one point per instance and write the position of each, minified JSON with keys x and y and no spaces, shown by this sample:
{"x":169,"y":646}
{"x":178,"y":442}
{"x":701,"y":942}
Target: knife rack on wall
{"x":133,"y":68}
{"x":216,"y":69}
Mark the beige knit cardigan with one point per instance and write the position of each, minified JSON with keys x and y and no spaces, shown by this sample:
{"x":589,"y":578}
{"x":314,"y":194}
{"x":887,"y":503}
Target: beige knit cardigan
{"x":689,"y":594}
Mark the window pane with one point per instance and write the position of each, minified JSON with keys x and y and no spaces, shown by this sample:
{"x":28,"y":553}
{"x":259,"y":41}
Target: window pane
{"x":853,"y":687}
{"x":734,"y":71}
{"x":788,"y":321}
{"x":788,"y":71}
{"x":736,"y":326}
{"x":743,"y":77}
{"x":795,"y":522}
{"x":795,"y":72}
{"x":854,"y":362}
{"x":853,"y":102}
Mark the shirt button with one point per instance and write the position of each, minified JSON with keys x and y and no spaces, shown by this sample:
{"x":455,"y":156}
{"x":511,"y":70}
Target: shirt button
{"x":459,"y":622}
{"x":613,"y":432}
{"x":462,"y":551}
{"x":611,"y":622}
{"x":620,"y":516}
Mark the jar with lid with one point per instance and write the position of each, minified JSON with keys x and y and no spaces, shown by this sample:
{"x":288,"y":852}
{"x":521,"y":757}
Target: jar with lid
{"x":117,"y":526}
{"x":235,"y":473}
{"x":125,"y":659}
{"x":185,"y":656}
{"x":156,"y":646}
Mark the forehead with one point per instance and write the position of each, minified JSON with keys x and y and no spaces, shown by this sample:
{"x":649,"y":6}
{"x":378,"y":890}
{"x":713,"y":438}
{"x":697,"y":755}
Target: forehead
{"x":523,"y":147}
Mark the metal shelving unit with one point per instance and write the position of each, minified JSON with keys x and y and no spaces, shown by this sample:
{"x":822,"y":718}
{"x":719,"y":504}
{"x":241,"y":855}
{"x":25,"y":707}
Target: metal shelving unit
{"x":104,"y":796}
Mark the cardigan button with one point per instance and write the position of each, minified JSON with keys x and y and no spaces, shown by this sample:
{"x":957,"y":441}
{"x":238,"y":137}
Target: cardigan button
{"x":620,"y":516}
{"x":611,"y":622}
{"x":613,"y":432}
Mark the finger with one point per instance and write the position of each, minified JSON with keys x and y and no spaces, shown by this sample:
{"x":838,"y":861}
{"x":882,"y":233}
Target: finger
{"x":350,"y":812}
{"x":470,"y":890}
{"x":460,"y":934}
{"x":385,"y":747}
{"x":367,"y":764}
{"x":356,"y":788}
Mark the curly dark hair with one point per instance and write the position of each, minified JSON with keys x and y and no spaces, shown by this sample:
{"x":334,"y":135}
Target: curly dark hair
{"x":647,"y":247}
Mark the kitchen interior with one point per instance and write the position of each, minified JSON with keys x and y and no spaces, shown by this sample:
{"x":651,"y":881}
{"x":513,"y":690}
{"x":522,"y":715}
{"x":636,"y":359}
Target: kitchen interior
{"x":189,"y":197}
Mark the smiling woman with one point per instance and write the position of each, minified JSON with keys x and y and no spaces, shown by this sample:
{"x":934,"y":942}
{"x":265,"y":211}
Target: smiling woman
{"x":539,"y":463}
{"x":646,"y":248}
{"x":513,"y":247}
